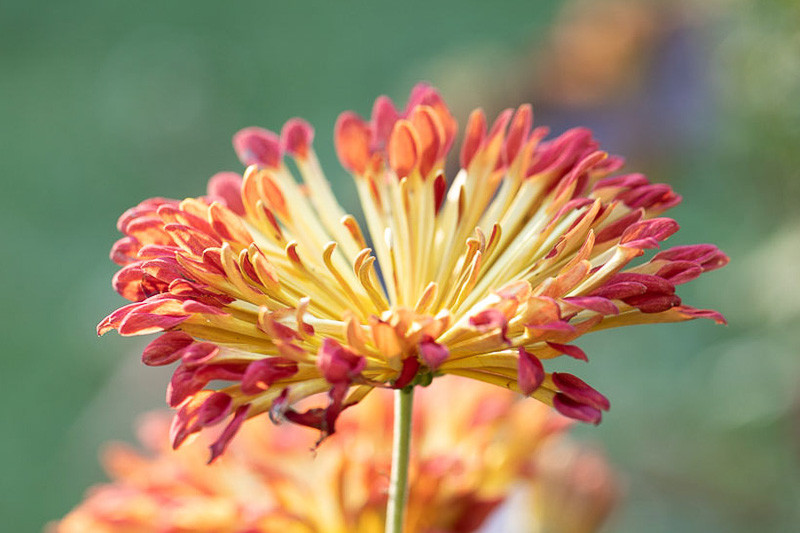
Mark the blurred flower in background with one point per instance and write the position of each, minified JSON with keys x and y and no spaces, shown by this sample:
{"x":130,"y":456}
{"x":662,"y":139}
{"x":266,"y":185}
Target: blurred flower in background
{"x":633,"y":71}
{"x":595,"y":53}
{"x":575,"y":490}
{"x":465,"y":461}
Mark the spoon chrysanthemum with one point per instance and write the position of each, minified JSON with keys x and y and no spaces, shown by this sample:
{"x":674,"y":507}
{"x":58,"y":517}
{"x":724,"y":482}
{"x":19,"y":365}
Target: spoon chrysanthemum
{"x":267,"y":286}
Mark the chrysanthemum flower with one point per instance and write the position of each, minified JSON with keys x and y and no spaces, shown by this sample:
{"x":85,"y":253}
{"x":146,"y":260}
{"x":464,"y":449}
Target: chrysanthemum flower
{"x":267,"y":285}
{"x":462,"y":468}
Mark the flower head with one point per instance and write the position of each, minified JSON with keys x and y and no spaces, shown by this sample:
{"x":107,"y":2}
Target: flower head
{"x":462,"y":468}
{"x":267,"y":286}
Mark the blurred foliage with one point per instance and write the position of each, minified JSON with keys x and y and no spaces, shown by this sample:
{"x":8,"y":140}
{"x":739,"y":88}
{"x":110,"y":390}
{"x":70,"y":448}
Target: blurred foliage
{"x":107,"y":103}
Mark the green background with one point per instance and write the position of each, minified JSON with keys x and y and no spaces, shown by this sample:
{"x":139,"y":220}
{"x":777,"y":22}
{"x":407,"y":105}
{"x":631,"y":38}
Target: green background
{"x":106,"y":103}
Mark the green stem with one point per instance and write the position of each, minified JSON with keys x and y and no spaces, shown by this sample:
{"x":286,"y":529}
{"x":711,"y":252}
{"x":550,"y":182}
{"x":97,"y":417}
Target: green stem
{"x":398,"y":486}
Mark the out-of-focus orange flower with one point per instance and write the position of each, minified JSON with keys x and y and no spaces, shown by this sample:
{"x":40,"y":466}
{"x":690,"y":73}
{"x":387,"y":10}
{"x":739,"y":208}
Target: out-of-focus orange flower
{"x":574,"y":490}
{"x":463,"y":464}
{"x":596,"y":52}
{"x":269,"y":286}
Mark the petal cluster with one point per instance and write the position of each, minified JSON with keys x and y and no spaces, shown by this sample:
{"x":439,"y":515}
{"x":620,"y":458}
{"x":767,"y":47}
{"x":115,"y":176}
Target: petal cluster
{"x":462,"y":468}
{"x":265,"y":292}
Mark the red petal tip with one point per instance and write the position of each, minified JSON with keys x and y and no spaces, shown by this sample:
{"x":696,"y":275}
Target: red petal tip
{"x":352,"y":137}
{"x":577,"y":411}
{"x":433,"y":354}
{"x":297,"y":136}
{"x":403,"y":149}
{"x":530,"y":372}
{"x":227,"y":187}
{"x":338,"y":364}
{"x":257,"y":146}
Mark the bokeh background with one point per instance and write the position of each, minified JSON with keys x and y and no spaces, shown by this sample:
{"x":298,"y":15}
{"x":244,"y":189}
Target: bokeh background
{"x":106,"y":103}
